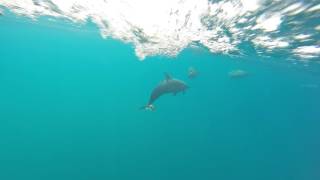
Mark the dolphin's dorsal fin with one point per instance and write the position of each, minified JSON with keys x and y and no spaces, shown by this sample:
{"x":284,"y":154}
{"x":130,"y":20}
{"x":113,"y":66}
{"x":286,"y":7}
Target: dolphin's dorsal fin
{"x":167,"y":76}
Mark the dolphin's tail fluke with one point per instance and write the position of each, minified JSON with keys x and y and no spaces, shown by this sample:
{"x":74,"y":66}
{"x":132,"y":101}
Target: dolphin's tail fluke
{"x":148,"y":107}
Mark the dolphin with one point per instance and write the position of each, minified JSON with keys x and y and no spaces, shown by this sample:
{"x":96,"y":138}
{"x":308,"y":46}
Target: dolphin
{"x":192,"y":73}
{"x":167,"y":86}
{"x":238,"y":73}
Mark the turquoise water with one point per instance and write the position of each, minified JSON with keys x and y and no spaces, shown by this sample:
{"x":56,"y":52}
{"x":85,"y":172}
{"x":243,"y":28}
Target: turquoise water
{"x":69,"y":109}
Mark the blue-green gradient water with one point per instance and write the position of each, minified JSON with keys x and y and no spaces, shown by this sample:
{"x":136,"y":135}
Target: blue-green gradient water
{"x":69,"y":110}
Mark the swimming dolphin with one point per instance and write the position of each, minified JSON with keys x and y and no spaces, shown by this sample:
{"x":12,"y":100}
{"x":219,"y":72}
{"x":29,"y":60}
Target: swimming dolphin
{"x":192,"y":73}
{"x":167,"y":86}
{"x":238,"y":73}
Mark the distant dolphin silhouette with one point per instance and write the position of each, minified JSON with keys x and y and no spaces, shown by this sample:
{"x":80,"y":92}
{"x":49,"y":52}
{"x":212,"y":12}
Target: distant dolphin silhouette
{"x":238,"y":73}
{"x":192,"y":73}
{"x":169,"y":85}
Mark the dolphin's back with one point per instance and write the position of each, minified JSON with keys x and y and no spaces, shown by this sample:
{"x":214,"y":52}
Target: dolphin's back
{"x":166,"y":86}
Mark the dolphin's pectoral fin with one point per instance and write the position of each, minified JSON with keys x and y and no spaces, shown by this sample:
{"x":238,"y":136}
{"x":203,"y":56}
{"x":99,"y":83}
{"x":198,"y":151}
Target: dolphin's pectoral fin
{"x":167,"y":76}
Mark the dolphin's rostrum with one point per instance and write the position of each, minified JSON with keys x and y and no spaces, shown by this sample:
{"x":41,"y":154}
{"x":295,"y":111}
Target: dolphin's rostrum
{"x":167,"y":86}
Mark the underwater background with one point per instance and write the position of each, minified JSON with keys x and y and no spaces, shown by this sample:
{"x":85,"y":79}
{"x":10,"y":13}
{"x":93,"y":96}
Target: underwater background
{"x":69,"y":109}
